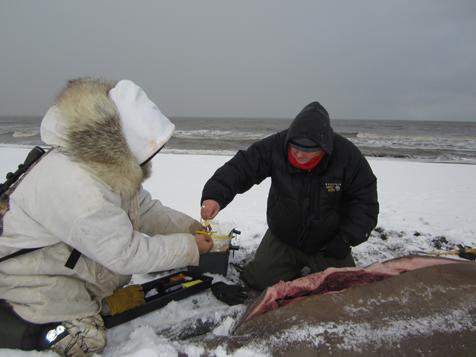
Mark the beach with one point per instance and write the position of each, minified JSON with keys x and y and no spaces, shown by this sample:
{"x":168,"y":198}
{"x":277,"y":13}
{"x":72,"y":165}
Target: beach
{"x":424,"y":207}
{"x":396,"y":79}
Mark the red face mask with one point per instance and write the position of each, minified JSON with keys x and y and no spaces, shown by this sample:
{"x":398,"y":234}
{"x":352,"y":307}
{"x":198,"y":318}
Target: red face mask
{"x":308,"y":165}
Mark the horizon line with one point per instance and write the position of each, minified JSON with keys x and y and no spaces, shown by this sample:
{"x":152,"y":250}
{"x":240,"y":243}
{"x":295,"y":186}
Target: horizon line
{"x":270,"y":118}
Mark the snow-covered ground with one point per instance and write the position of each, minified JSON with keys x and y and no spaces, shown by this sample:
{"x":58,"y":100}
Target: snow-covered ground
{"x":423,"y":207}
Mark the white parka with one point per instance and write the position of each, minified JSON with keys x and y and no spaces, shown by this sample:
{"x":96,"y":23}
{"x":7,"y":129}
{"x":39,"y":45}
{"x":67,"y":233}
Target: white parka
{"x":85,"y":194}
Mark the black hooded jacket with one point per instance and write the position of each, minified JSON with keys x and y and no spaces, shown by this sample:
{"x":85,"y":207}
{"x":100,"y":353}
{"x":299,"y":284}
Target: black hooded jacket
{"x":306,"y":209}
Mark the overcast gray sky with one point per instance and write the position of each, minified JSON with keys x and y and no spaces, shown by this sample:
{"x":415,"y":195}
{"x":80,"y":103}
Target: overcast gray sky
{"x":380,"y":59}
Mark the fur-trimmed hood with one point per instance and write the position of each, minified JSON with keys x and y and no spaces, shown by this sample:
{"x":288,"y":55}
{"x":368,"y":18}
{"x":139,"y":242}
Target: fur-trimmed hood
{"x":86,"y":194}
{"x":84,"y":123}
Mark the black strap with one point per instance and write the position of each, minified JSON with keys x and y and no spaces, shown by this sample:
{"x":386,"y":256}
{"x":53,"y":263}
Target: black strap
{"x":70,"y":263}
{"x":16,"y":254}
{"x":73,"y":259}
{"x":14,"y":178}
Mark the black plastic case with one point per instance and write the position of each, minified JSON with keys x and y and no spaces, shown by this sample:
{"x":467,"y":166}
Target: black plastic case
{"x":162,"y":298}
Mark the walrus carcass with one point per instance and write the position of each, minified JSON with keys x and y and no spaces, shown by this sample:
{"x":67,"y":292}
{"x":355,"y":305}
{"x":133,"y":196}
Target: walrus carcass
{"x":411,"y":306}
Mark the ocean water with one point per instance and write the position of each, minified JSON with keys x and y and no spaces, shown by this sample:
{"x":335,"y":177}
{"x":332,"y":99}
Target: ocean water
{"x":434,"y":141}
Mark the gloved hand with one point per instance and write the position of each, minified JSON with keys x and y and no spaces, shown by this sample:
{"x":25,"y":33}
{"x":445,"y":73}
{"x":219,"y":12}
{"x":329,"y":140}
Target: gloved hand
{"x":337,"y":248}
{"x":229,"y":294}
{"x":125,"y":299}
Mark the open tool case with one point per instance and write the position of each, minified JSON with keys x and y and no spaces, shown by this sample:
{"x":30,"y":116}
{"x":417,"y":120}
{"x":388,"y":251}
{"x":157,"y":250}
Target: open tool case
{"x":160,"y":292}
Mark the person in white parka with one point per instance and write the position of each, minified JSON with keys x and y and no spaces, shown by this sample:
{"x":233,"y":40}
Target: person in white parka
{"x":85,"y":197}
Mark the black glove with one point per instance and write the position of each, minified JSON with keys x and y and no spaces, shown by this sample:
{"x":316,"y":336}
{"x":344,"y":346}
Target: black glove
{"x":337,"y":248}
{"x":229,"y":294}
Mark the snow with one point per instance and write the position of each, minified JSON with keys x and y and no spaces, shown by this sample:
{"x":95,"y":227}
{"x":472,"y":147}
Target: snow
{"x":423,"y":207}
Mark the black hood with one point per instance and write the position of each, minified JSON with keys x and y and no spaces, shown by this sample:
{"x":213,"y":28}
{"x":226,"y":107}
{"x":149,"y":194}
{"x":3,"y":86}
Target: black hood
{"x":313,"y":123}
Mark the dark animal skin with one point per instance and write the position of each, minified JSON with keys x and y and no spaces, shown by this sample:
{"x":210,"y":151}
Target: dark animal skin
{"x":411,"y":306}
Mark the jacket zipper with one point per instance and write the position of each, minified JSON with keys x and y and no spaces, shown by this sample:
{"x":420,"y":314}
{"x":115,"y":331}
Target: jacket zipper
{"x":313,"y":190}
{"x":309,"y":210}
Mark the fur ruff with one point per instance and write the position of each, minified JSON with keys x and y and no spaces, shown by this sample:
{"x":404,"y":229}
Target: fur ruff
{"x":94,"y":136}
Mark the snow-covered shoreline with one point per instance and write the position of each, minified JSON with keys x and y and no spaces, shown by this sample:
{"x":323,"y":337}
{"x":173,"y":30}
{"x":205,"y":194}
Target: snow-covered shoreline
{"x":423,"y":207}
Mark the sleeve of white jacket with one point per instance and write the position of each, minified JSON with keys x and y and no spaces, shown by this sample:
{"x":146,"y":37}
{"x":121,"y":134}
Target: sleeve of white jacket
{"x":107,"y":236}
{"x":155,"y":218}
{"x":72,"y":206}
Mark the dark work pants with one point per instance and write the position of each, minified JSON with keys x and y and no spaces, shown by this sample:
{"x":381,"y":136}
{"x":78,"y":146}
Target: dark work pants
{"x":80,"y":337}
{"x":20,"y":334}
{"x":275,"y":261}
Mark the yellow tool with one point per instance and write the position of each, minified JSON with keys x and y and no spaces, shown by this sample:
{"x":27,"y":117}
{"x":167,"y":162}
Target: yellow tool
{"x":212,"y":234}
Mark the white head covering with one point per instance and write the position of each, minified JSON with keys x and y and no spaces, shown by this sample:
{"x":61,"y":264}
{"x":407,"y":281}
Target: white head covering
{"x":52,"y":129}
{"x":144,"y":126}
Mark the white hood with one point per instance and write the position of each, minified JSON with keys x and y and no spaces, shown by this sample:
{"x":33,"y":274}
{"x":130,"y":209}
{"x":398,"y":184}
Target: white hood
{"x":112,"y":128}
{"x":144,"y":126}
{"x":53,"y":130}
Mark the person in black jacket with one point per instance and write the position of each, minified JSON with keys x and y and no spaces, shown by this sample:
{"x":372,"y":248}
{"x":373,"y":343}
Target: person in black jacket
{"x":322,"y":199}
